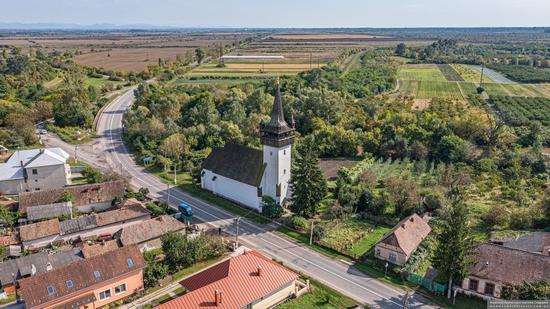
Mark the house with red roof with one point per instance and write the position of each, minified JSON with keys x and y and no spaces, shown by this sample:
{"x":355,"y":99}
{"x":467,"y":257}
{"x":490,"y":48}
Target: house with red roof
{"x":249,"y":280}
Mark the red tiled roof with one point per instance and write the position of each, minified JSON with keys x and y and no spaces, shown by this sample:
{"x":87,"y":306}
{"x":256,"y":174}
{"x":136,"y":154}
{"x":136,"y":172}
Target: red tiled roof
{"x":111,"y":265}
{"x":237,"y":278}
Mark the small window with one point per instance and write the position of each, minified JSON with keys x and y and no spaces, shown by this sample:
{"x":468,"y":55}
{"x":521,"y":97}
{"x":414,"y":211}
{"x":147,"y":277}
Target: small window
{"x":392,"y":257}
{"x":36,"y":180}
{"x":36,"y":189}
{"x":120,"y":289}
{"x":284,"y":172}
{"x":105,"y":294}
{"x":69,"y":283}
{"x":97,"y":275}
{"x":51,"y":290}
{"x":34,"y":171}
{"x":473,"y":284}
{"x":489,"y":289}
{"x":130,"y":262}
{"x":284,"y":152}
{"x":271,"y":153}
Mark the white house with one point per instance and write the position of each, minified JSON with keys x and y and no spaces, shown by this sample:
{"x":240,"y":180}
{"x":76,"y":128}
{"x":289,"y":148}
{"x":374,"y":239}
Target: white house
{"x":243,"y":174}
{"x":35,"y":169}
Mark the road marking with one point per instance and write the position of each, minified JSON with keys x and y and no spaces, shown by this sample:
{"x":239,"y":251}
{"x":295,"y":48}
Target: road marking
{"x":153,"y":183}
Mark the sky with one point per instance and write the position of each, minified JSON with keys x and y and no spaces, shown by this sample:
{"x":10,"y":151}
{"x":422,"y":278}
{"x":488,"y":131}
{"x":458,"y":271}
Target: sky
{"x":281,"y":13}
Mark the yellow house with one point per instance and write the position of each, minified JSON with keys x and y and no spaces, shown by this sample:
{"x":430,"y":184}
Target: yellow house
{"x":401,"y":241}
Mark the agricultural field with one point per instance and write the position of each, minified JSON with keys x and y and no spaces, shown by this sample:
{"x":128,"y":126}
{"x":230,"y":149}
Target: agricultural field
{"x":253,"y":68}
{"x":124,"y":51}
{"x":521,"y":112}
{"x":420,"y":72}
{"x":450,"y":73}
{"x":435,"y":89}
{"x":470,"y":75}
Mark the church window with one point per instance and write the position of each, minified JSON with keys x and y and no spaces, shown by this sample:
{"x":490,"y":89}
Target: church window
{"x":284,"y":172}
{"x":202,"y":174}
{"x":284,"y":152}
{"x":271,"y":153}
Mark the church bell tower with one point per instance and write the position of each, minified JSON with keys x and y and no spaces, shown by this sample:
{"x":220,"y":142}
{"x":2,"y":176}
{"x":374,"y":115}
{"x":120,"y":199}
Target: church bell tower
{"x":277,"y":139}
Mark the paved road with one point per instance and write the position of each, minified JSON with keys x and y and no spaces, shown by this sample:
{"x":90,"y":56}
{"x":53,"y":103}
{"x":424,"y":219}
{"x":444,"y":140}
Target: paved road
{"x":109,"y":152}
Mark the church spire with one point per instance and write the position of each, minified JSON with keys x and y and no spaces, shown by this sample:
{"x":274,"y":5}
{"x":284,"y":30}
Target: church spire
{"x":276,"y":132}
{"x":277,"y":114}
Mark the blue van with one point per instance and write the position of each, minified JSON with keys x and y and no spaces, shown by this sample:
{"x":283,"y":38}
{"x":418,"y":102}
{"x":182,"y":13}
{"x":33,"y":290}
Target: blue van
{"x":185,"y":210}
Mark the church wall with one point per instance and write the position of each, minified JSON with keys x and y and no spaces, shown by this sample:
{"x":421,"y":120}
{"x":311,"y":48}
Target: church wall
{"x":230,"y":189}
{"x":277,"y":171}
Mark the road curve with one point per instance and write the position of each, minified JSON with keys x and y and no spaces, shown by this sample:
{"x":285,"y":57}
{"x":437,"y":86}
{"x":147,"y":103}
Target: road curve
{"x":109,"y":152}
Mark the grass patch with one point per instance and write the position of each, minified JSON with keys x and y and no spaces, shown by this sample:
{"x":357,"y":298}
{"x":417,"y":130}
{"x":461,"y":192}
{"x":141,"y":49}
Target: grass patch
{"x":72,"y":135}
{"x":182,"y":273}
{"x":462,"y":302}
{"x":366,"y":243}
{"x":11,"y":298}
{"x":185,"y":182}
{"x":320,"y":296}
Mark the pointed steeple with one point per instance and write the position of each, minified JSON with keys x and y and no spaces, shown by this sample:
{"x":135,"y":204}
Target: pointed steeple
{"x":276,"y":132}
{"x":277,"y":114}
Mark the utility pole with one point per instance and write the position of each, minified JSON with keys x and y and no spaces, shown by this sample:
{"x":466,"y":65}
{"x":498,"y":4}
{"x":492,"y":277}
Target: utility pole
{"x":175,"y":177}
{"x":311,"y":234}
{"x":481,"y":80}
{"x":168,"y":191}
{"x":76,"y":153}
{"x":237,"y":220}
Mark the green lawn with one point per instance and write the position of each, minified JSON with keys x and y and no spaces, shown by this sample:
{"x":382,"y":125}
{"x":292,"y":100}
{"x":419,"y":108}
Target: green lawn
{"x":320,"y":296}
{"x":98,"y":82}
{"x":367,"y":242}
{"x":185,"y":182}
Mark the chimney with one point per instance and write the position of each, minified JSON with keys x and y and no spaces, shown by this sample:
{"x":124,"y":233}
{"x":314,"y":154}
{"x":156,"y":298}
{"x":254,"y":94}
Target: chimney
{"x":217,"y":297}
{"x":412,"y":219}
{"x":403,"y":225}
{"x":259,"y":270}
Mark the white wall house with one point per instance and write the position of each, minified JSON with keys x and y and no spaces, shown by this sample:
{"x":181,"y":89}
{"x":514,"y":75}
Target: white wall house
{"x":35,"y":169}
{"x":243,"y":174}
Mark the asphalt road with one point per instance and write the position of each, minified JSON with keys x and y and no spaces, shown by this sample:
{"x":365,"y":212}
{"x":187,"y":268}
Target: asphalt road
{"x":108,"y":152}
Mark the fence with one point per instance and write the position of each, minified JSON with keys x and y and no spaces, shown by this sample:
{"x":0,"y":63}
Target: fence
{"x":427,"y":283}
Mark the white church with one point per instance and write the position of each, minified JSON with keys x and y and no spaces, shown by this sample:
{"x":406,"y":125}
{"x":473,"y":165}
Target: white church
{"x":243,"y":175}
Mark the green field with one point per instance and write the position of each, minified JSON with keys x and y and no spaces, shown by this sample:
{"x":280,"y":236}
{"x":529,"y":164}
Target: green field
{"x":407,"y":72}
{"x":435,"y":89}
{"x":469,"y":74}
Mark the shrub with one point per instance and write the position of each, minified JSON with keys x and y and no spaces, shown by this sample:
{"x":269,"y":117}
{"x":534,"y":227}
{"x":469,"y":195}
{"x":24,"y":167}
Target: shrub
{"x":270,"y":208}
{"x":299,"y":223}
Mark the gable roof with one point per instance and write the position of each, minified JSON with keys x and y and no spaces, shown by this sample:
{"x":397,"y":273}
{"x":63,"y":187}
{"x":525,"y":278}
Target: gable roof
{"x":508,"y":265}
{"x":82,"y":194}
{"x":89,"y":251}
{"x":238,"y":280}
{"x":82,"y":223}
{"x":407,"y":234}
{"x":236,"y":162}
{"x":49,"y":211}
{"x":121,"y":214}
{"x":150,"y":229}
{"x":13,"y":168}
{"x":39,"y":230}
{"x":535,"y":242}
{"x":35,"y":264}
{"x":111,"y":265}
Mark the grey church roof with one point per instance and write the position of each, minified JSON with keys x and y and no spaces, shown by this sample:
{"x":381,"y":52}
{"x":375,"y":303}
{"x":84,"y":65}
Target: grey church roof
{"x":236,"y":162}
{"x":277,"y":123}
